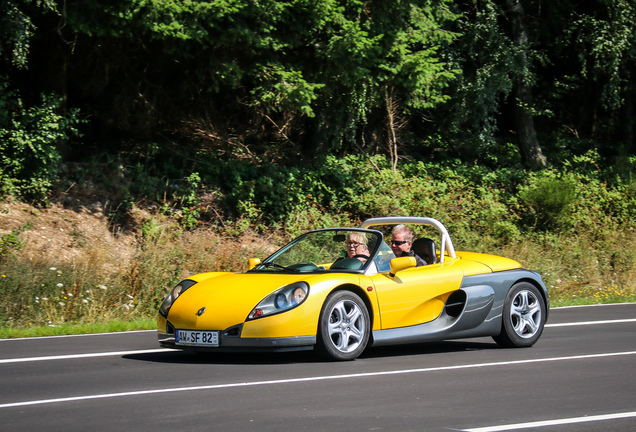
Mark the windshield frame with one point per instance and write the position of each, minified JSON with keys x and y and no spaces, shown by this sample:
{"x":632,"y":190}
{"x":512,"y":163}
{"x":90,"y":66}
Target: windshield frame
{"x":268,"y":265}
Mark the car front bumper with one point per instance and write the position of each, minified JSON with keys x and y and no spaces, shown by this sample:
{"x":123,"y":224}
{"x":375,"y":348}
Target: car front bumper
{"x":238,"y":344}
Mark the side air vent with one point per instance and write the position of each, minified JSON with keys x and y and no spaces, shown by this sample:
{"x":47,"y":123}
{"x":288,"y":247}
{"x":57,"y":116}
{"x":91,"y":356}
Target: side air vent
{"x":233,"y":331}
{"x":455,"y":303}
{"x":169,"y":328}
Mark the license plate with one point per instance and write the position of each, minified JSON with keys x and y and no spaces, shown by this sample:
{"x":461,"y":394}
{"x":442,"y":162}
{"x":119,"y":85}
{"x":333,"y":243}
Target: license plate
{"x":197,"y":338}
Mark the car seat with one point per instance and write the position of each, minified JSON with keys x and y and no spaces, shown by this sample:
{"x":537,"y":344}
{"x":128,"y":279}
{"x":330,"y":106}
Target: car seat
{"x":425,"y":249}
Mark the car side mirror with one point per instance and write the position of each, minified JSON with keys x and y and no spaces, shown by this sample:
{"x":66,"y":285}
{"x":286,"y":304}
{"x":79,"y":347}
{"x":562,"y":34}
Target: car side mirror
{"x":253,"y":262}
{"x":402,"y":263}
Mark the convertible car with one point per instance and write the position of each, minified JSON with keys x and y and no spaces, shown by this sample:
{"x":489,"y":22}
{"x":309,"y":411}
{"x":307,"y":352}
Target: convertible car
{"x":313,"y":294}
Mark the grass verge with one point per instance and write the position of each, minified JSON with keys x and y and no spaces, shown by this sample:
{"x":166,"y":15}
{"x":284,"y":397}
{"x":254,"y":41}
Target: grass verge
{"x":75,"y":329}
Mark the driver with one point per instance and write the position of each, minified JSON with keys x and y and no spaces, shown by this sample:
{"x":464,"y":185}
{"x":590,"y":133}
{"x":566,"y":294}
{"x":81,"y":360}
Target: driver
{"x":402,"y":240}
{"x":357,"y":245}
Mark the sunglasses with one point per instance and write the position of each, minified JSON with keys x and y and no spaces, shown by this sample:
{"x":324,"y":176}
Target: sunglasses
{"x":399,"y":243}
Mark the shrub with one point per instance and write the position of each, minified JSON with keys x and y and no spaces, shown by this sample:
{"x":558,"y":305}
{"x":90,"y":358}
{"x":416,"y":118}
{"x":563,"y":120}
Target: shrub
{"x":547,"y":201}
{"x":29,"y":154}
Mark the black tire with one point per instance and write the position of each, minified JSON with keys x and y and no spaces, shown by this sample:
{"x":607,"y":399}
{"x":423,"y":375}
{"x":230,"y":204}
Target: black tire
{"x":523,"y":316}
{"x":344,"y":327}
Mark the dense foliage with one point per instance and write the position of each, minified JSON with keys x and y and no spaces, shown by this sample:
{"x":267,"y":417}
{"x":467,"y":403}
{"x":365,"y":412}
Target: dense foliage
{"x":430,"y":79}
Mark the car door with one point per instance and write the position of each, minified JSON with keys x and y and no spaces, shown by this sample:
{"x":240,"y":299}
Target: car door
{"x":416,"y":295}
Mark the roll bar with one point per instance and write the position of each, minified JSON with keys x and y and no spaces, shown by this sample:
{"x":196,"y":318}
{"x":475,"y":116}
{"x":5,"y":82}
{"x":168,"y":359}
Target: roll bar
{"x":447,"y":244}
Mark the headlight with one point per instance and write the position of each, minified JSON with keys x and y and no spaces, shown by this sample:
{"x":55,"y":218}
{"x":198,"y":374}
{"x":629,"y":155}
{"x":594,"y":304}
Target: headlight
{"x":174,"y":294}
{"x":281,"y":300}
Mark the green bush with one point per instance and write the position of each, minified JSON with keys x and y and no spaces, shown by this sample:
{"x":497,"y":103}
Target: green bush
{"x":547,"y":201}
{"x":8,"y":242}
{"x":29,"y":154}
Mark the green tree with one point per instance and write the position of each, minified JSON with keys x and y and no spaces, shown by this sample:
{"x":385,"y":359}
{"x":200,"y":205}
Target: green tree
{"x":602,"y":37}
{"x":311,"y":72}
{"x":29,"y":133}
{"x":499,"y":61}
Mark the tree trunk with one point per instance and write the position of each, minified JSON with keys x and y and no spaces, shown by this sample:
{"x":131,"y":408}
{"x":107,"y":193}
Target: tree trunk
{"x":526,"y":133}
{"x":391,"y":127}
{"x":628,"y":120}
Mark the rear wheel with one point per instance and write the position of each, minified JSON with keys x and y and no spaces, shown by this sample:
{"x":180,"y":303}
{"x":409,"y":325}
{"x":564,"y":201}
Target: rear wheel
{"x":523,"y":317}
{"x":344,"y":327}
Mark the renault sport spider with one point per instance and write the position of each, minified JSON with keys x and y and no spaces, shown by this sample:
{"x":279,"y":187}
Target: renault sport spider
{"x":314,"y":294}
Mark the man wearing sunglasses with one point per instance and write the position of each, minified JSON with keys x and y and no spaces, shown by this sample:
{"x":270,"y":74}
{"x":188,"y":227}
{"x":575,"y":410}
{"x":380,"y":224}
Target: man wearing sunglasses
{"x":401,"y":242}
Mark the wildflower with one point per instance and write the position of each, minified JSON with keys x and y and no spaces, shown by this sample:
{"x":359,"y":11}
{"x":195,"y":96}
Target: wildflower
{"x":84,"y":301}
{"x":129,"y":296}
{"x":52,"y":268}
{"x":59,"y":285}
{"x":4,"y":276}
{"x":45,"y":298}
{"x":61,"y":303}
{"x":69,"y":294}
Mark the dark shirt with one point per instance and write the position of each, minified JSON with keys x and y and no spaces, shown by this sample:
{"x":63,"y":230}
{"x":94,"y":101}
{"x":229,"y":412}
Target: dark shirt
{"x":420,"y":261}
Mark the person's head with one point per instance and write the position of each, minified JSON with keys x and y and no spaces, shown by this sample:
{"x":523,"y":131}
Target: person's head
{"x":357,"y":244}
{"x":401,"y":239}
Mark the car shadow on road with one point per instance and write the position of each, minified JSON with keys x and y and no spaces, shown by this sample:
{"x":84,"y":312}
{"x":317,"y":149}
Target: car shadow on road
{"x":427,"y":348}
{"x":254,"y":358}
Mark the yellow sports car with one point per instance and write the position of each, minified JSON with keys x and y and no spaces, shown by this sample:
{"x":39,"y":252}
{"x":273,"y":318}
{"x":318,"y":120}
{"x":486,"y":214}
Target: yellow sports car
{"x":340,"y":290}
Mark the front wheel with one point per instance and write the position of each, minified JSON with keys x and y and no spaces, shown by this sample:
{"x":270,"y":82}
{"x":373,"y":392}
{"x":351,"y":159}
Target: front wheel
{"x":523,"y":317}
{"x":344,"y":327}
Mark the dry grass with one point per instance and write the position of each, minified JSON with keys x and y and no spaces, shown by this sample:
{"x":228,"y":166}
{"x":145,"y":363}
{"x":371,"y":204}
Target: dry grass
{"x":69,"y":267}
{"x":577,"y":269}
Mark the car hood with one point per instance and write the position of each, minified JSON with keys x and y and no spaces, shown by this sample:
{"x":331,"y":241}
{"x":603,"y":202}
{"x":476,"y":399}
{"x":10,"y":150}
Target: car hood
{"x":228,"y":298}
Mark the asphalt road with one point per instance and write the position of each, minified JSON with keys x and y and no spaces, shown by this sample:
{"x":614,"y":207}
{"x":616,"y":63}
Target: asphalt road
{"x":580,"y":376}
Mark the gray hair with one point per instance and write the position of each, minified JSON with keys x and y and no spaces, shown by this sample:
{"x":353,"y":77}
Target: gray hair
{"x":401,"y":228}
{"x":359,"y":237}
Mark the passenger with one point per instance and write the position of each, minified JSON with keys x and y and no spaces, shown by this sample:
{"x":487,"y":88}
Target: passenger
{"x":357,"y":244}
{"x":401,"y":242}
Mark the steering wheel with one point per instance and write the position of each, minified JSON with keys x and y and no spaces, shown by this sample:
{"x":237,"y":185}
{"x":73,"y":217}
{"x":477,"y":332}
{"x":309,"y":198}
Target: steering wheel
{"x":366,"y":257}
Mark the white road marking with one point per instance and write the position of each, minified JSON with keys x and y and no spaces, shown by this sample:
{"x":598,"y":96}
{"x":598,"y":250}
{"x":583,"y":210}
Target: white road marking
{"x":584,"y":323}
{"x":308,"y":379}
{"x":76,"y":335}
{"x":150,"y":351}
{"x":593,"y":305}
{"x":544,"y":423}
{"x":87,"y":355}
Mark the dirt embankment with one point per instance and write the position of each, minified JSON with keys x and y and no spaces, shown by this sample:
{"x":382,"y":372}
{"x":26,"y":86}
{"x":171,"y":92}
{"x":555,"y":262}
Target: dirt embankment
{"x":61,"y":234}
{"x":83,"y":234}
